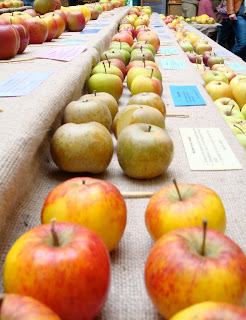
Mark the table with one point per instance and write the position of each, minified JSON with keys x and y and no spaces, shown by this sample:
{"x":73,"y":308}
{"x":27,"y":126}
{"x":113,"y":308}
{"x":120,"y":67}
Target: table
{"x":27,"y":172}
{"x":210,"y":30}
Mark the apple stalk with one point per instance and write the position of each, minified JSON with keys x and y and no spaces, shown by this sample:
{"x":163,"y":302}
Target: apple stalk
{"x":176,"y":186}
{"x":54,"y":234}
{"x":204,"y":225}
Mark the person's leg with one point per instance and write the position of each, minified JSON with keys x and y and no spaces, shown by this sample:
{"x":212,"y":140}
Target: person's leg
{"x":226,"y":35}
{"x":239,"y":27}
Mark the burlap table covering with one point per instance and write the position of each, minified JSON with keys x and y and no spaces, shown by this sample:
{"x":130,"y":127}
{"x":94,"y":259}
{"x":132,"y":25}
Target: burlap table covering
{"x":128,"y":298}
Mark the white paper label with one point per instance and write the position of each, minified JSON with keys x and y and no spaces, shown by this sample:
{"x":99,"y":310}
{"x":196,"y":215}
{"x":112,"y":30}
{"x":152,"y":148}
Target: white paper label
{"x":207,"y":149}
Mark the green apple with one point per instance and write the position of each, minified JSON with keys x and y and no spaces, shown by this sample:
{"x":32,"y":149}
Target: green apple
{"x":211,"y":310}
{"x":105,"y":97}
{"x":237,"y":126}
{"x":146,"y":83}
{"x":210,"y":75}
{"x":88,"y":110}
{"x":85,"y":147}
{"x":111,"y":54}
{"x":144,"y":151}
{"x":137,"y":114}
{"x":243,"y":110}
{"x":125,"y":53}
{"x":231,"y":112}
{"x":135,"y":71}
{"x":120,"y":45}
{"x":143,"y":44}
{"x":103,"y":83}
{"x":241,"y":136}
{"x":194,"y":264}
{"x":142,"y":56}
{"x":107,"y":68}
{"x":143,"y":50}
{"x":149,"y":99}
{"x":225,"y":103}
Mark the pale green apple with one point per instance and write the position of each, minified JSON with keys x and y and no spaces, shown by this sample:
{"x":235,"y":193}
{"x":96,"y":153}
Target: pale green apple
{"x":211,"y":75}
{"x":109,"y":83}
{"x":111,"y":54}
{"x":225,"y":103}
{"x":85,"y":147}
{"x":141,"y":49}
{"x":144,"y":151}
{"x":237,"y":126}
{"x":243,"y":110}
{"x":125,"y":53}
{"x":109,"y":69}
{"x":87,"y":110}
{"x":241,"y":136}
{"x":142,"y":56}
{"x":137,"y":114}
{"x":120,"y":45}
{"x":143,"y":44}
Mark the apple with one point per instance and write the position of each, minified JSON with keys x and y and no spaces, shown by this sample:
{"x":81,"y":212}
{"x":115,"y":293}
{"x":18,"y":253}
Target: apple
{"x":231,"y":113}
{"x":123,"y":37}
{"x":202,"y":46}
{"x":106,"y":98}
{"x":211,"y":75}
{"x":140,"y":22}
{"x":214,"y":60}
{"x":42,"y":7}
{"x":211,"y":310}
{"x":84,"y":147}
{"x":218,"y":89}
{"x":206,"y":55}
{"x":65,"y":266}
{"x":125,"y":53}
{"x":142,"y":56}
{"x":150,"y":99}
{"x":194,"y":57}
{"x":13,"y":19}
{"x":10,"y":41}
{"x":235,"y":80}
{"x":223,"y":103}
{"x":130,"y":29}
{"x":142,"y":50}
{"x":183,"y":205}
{"x":146,"y":83}
{"x":222,"y":67}
{"x":88,"y":110}
{"x":103,"y":83}
{"x":241,"y":136}
{"x":4,"y":22}
{"x":52,"y":27}
{"x":151,"y":37}
{"x":144,"y":151}
{"x":31,"y":12}
{"x":107,"y":68}
{"x":200,"y":67}
{"x":230,"y":75}
{"x":186,"y":45}
{"x":75,"y":21}
{"x":135,"y":71}
{"x":24,"y":37}
{"x":243,"y":110}
{"x":19,"y":307}
{"x":94,"y":13}
{"x":92,"y":203}
{"x":63,"y":15}
{"x":192,"y":36}
{"x":112,"y":54}
{"x":117,"y":63}
{"x":197,"y":265}
{"x":61,"y":24}
{"x":120,"y":45}
{"x":239,"y":93}
{"x":137,"y":114}
{"x":237,"y":126}
{"x":142,"y":44}
{"x":37,"y":29}
{"x":144,"y":63}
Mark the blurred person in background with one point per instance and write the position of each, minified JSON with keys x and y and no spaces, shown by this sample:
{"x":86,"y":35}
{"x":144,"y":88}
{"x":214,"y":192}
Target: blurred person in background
{"x":236,"y":10}
{"x":205,"y":7}
{"x":189,"y":8}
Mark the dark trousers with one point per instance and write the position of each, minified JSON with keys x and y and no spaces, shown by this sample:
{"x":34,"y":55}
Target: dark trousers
{"x":226,"y":35}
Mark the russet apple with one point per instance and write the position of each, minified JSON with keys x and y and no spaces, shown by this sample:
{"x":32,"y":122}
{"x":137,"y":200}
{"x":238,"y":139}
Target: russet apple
{"x":88,"y":110}
{"x":63,"y":265}
{"x":211,"y":310}
{"x":137,"y":114}
{"x":85,"y":147}
{"x":191,"y":265}
{"x":93,"y":203}
{"x":183,"y":205}
{"x":19,"y":307}
{"x":144,"y":151}
{"x":105,"y":97}
{"x":150,"y":99}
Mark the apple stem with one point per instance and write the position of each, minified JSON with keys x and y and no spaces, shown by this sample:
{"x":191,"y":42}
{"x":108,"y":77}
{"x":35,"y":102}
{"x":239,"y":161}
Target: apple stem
{"x":149,"y":128}
{"x":231,"y":109}
{"x":95,"y":93}
{"x":177,"y":188}
{"x":104,"y":67}
{"x":109,"y":64}
{"x":106,"y":57}
{"x":144,"y":61}
{"x":141,"y":48}
{"x":238,"y":128}
{"x":54,"y":234}
{"x":152,"y":70}
{"x":120,"y":44}
{"x":204,"y":225}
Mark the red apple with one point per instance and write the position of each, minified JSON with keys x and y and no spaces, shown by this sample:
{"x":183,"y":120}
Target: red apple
{"x":123,"y":37}
{"x":183,"y":269}
{"x":206,"y":55}
{"x":146,"y":83}
{"x":52,"y":27}
{"x":90,"y":202}
{"x":63,"y":15}
{"x":10,"y":41}
{"x":65,"y":266}
{"x":60,"y":22}
{"x":19,"y":307}
{"x":32,"y":12}
{"x":75,"y":21}
{"x":24,"y":36}
{"x":4,"y":22}
{"x":194,"y":57}
{"x":37,"y":29}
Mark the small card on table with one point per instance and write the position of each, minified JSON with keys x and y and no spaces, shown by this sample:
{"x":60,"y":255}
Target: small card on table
{"x":66,"y":53}
{"x":22,"y":83}
{"x":207,"y":149}
{"x":185,"y":96}
{"x":169,"y":51}
{"x":89,"y":31}
{"x":73,"y":42}
{"x":235,"y":66}
{"x":173,"y":64}
{"x":163,"y":36}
